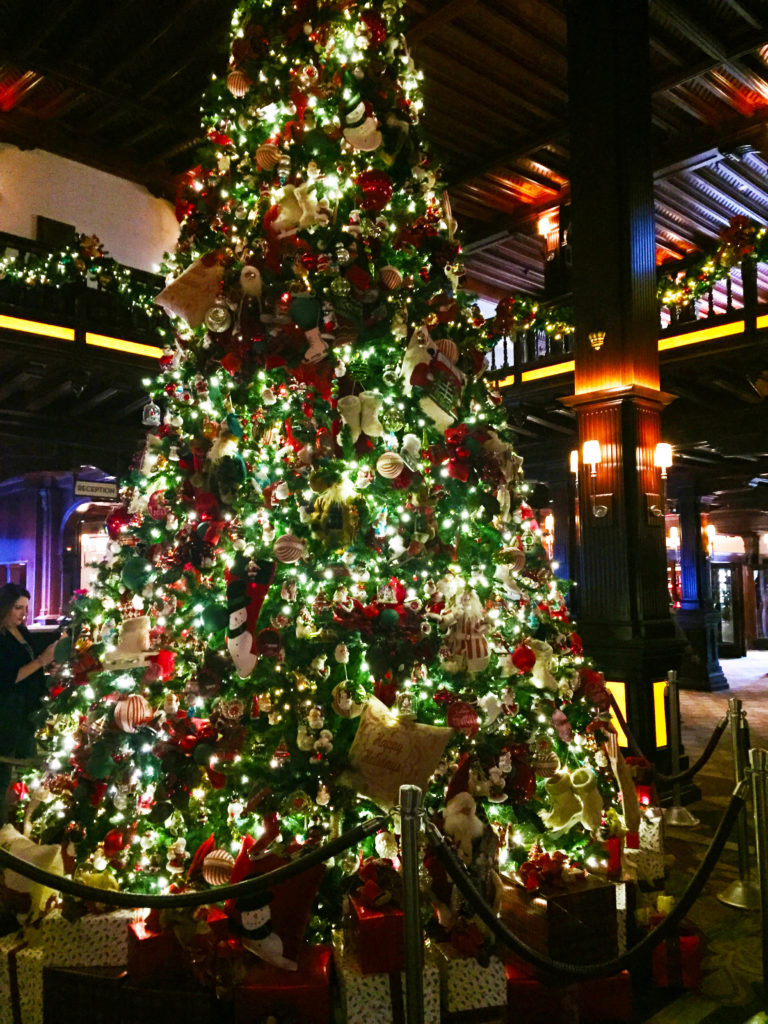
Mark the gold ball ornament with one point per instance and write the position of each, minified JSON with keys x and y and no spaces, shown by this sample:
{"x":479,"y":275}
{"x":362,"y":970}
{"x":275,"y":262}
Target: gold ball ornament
{"x":289,"y":548}
{"x":131,"y":712}
{"x":238,"y":83}
{"x":448,"y":348}
{"x":391,"y":278}
{"x":343,"y":703}
{"x":218,"y":318}
{"x":545,"y":761}
{"x":267,"y":156}
{"x":390,"y":465}
{"x":217,"y":867}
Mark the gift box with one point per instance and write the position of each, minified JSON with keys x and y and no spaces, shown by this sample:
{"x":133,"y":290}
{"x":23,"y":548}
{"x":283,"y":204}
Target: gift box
{"x":162,"y":947}
{"x":105,"y":996}
{"x":303,"y":995}
{"x":94,"y":940}
{"x":21,"y":981}
{"x":468,"y":990}
{"x":375,"y":935}
{"x":651,"y":833}
{"x":537,"y":1000}
{"x":380,"y":998}
{"x":153,"y":954}
{"x":646,"y":867}
{"x":73,"y":995}
{"x":605,"y":1000}
{"x":676,"y":962}
{"x":532,"y":1000}
{"x":574,"y":922}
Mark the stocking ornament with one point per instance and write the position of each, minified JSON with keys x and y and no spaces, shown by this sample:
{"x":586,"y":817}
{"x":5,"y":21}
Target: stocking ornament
{"x":588,"y":795}
{"x":565,"y":804}
{"x":247,"y":587}
{"x":349,"y":410}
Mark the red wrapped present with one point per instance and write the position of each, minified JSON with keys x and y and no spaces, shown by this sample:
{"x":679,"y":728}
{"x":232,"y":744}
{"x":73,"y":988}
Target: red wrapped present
{"x":375,"y":935}
{"x":158,"y":950}
{"x":537,"y":1001}
{"x":605,"y":999}
{"x":676,"y":963}
{"x":303,"y":995}
{"x":532,"y":1000}
{"x":153,"y":954}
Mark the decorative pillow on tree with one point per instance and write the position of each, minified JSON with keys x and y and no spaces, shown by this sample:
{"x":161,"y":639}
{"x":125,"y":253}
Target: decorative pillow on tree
{"x":389,"y":752}
{"x":22,"y":895}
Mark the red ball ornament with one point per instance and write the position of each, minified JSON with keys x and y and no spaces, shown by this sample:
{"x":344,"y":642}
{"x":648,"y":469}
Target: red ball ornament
{"x":375,"y":27}
{"x":132,"y":712}
{"x":463,"y":718}
{"x":376,"y":188}
{"x":523,"y":658}
{"x":117,"y":521}
{"x":113,"y":843}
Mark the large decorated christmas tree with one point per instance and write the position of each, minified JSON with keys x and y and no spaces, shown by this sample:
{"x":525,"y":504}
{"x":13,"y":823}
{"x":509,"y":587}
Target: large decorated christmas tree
{"x":325,"y":578}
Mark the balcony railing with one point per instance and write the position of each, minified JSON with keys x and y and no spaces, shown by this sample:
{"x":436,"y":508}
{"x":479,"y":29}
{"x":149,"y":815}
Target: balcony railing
{"x":741,"y":295}
{"x":87,"y":292}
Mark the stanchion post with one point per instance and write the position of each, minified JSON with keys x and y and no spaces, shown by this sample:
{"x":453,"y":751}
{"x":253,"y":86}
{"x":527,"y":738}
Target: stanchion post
{"x":743,"y":892}
{"x":676,"y":815}
{"x":758,"y":763}
{"x":410,"y":814}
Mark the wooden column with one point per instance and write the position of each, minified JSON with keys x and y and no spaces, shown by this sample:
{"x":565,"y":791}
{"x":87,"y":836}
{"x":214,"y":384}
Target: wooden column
{"x":624,"y":612}
{"x":697,"y":615}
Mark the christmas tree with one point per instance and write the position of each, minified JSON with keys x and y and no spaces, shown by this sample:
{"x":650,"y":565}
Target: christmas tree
{"x":325,"y":578}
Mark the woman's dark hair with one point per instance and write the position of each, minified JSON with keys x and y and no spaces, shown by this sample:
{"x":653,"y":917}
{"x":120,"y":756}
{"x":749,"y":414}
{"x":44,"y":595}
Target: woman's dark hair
{"x":9,"y":595}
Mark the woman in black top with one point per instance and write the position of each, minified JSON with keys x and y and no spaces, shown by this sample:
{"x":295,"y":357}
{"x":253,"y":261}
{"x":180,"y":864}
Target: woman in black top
{"x":21,"y":681}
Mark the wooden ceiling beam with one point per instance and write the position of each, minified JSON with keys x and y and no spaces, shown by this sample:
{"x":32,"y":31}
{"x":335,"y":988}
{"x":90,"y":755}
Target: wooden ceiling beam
{"x":95,"y":400}
{"x":17,"y":383}
{"x":437,"y":19}
{"x":558,"y":131}
{"x":49,"y":395}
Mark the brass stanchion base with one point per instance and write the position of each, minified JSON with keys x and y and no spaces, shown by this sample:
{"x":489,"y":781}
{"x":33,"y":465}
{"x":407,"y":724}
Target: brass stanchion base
{"x":742,"y":893}
{"x":680,"y":817}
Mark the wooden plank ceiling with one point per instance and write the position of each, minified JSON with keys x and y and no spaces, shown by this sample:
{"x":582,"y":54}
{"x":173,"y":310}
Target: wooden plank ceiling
{"x":117,"y":86}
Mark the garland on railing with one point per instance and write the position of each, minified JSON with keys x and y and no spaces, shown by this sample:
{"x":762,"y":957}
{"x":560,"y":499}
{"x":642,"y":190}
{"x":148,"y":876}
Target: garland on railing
{"x":523,"y":311}
{"x":742,"y":239}
{"x":85,"y":262}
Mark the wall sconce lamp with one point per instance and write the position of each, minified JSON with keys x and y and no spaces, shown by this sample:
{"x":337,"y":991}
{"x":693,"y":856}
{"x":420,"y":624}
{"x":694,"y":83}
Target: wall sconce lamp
{"x":591,"y":454}
{"x":596,"y":339}
{"x":662,"y":458}
{"x":710,"y":532}
{"x":573,"y":462}
{"x":548,"y":227}
{"x":602,"y":504}
{"x":656,"y":503}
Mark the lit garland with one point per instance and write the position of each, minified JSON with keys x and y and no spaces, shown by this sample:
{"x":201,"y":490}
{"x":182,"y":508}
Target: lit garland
{"x":741,"y":240}
{"x":83,"y":263}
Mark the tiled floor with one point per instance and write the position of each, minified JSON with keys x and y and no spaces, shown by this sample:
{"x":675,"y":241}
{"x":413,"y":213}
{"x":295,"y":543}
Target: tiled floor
{"x":731,"y":992}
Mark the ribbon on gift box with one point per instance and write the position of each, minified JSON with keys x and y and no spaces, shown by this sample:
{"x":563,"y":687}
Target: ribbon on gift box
{"x":396,"y":997}
{"x":13,"y":982}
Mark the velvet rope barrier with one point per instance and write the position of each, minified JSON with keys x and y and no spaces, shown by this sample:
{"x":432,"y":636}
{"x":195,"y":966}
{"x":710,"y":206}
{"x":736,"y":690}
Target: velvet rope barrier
{"x":466,"y":886}
{"x":217,"y":893}
{"x":691,"y":770}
